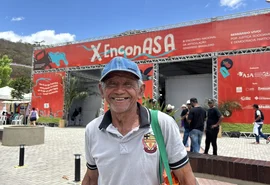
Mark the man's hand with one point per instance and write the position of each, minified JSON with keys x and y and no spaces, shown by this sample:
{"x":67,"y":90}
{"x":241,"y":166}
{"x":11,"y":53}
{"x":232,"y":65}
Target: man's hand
{"x":185,"y":175}
{"x":90,"y":177}
{"x":214,"y":126}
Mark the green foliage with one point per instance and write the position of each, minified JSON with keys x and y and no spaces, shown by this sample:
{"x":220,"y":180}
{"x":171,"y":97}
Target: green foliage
{"x":19,"y":71}
{"x":48,"y":120}
{"x":74,"y":92}
{"x":20,"y":53}
{"x":5,"y":70}
{"x":21,"y":86}
{"x":154,"y":105}
{"x":242,"y":127}
{"x":227,"y":107}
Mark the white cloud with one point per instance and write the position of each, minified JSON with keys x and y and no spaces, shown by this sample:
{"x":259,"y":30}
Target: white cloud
{"x":48,"y":36}
{"x":17,"y":18}
{"x":233,"y":4}
{"x":207,"y":5}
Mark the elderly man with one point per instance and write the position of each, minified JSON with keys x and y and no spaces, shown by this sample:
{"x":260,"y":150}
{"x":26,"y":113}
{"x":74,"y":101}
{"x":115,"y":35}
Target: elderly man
{"x":120,"y":146}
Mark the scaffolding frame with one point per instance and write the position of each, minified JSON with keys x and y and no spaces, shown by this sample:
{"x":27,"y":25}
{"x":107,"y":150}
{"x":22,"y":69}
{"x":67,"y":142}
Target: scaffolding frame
{"x":209,"y":55}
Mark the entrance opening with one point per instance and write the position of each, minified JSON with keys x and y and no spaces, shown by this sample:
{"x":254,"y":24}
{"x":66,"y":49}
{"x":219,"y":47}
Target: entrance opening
{"x":181,"y":81}
{"x":82,"y":111}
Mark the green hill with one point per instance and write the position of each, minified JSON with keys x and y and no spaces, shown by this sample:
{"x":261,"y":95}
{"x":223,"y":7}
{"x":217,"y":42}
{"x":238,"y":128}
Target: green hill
{"x":21,"y":53}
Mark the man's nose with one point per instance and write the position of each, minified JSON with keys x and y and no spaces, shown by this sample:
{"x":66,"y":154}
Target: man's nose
{"x":120,"y":87}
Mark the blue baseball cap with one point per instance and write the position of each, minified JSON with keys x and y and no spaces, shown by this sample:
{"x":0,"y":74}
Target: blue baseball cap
{"x":121,"y":64}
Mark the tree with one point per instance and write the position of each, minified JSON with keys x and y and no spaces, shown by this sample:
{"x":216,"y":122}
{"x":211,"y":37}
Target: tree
{"x":75,"y":90}
{"x":5,"y":70}
{"x":21,"y":86}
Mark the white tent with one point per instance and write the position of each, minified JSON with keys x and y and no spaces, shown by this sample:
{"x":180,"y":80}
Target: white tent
{"x":5,"y":93}
{"x":27,"y":97}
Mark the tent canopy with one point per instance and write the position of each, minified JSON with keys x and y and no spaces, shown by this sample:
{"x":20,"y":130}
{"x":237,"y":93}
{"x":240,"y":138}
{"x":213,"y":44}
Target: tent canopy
{"x":6,"y":91}
{"x":15,"y":101}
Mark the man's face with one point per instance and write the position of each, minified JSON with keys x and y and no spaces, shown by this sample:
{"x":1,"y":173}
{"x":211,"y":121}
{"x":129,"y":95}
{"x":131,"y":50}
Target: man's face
{"x":189,"y":106}
{"x":121,"y":91}
{"x":210,"y":104}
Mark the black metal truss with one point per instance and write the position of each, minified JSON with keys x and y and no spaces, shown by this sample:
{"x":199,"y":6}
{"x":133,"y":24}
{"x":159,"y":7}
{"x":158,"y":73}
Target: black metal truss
{"x":86,"y":76}
{"x":215,"y":78}
{"x":66,"y":93}
{"x":244,"y":51}
{"x":168,"y":59}
{"x":156,"y":81}
{"x":213,"y":55}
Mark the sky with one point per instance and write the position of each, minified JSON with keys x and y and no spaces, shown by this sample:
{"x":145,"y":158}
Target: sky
{"x":58,"y":21}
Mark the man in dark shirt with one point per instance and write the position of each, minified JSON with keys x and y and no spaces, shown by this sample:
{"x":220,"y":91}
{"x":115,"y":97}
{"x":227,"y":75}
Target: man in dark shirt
{"x":184,"y":115}
{"x":196,"y":118}
{"x":214,"y":118}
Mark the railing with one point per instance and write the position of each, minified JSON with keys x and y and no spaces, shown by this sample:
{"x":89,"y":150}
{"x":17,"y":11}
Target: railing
{"x":230,"y":169}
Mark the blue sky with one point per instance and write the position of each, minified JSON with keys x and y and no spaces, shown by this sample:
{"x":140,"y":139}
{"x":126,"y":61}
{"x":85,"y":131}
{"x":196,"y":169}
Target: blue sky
{"x":59,"y":21}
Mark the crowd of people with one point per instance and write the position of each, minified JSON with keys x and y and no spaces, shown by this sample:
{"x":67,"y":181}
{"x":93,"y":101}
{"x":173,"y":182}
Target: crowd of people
{"x":197,"y":121}
{"x":10,"y":116}
{"x":30,"y":115}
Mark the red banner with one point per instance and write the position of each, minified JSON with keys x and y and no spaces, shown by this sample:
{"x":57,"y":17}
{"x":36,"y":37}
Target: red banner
{"x":232,"y":34}
{"x":245,"y":78}
{"x":48,"y":94}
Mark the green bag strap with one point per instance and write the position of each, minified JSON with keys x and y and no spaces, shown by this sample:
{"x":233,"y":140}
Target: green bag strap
{"x":161,"y":145}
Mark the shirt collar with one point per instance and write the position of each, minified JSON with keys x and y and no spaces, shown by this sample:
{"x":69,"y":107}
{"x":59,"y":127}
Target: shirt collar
{"x":143,"y":116}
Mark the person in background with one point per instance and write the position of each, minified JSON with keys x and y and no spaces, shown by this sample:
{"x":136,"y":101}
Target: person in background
{"x":186,"y":126}
{"x":120,"y":147}
{"x":258,"y":124}
{"x":33,"y":116}
{"x":183,"y":107}
{"x":169,"y":110}
{"x":8,"y":118}
{"x":152,"y":103}
{"x":196,"y":118}
{"x":28,"y":110}
{"x":214,"y":119}
{"x":15,"y":116}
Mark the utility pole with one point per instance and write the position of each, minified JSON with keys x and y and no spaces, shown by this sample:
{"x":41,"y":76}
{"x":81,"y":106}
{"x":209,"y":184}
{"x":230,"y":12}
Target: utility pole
{"x":38,"y":43}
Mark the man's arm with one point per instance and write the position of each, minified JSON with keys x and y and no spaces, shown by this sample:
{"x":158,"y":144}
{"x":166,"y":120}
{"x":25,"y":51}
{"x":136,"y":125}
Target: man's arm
{"x":189,"y":116}
{"x":218,"y":123}
{"x":185,"y":175}
{"x":184,"y":114}
{"x":258,"y":113}
{"x":219,"y":120}
{"x":90,"y":177}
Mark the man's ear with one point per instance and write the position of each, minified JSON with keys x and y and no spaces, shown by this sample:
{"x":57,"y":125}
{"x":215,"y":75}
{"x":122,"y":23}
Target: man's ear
{"x":101,"y":90}
{"x":141,"y":93}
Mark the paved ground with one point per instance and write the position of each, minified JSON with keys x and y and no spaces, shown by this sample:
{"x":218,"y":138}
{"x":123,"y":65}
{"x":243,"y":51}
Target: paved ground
{"x":53,"y":162}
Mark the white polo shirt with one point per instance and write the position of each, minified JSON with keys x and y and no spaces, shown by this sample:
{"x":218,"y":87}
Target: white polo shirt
{"x":132,"y":159}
